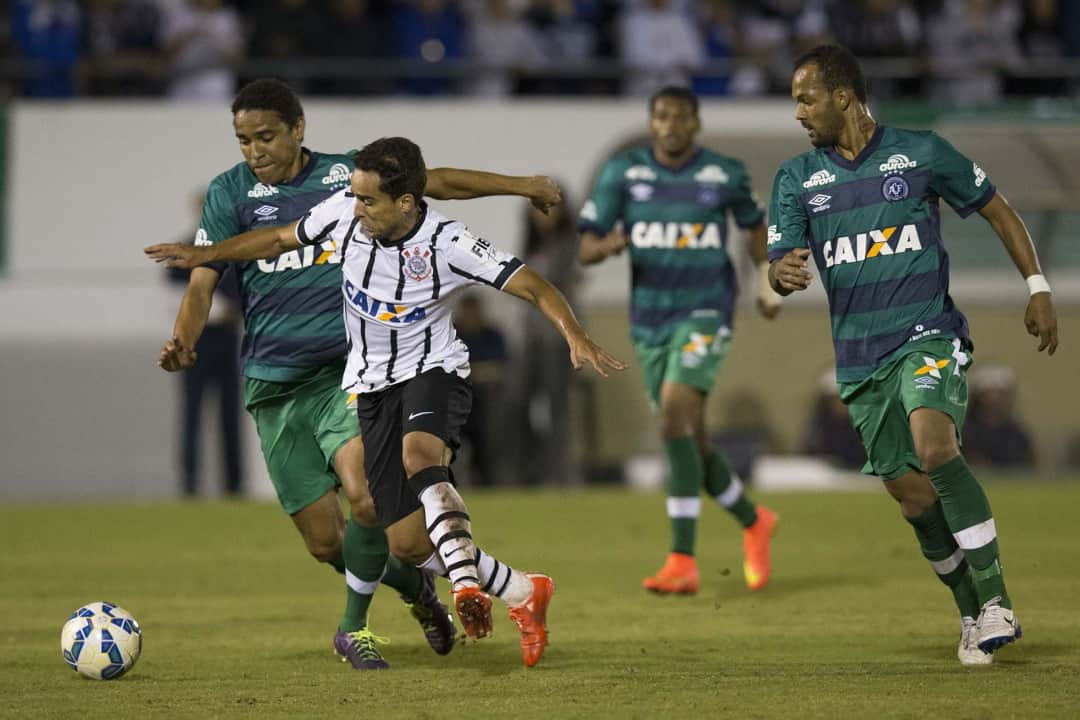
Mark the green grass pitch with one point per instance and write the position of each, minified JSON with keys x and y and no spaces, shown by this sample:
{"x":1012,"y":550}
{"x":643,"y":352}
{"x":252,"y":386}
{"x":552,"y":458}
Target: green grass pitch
{"x":238,"y":620}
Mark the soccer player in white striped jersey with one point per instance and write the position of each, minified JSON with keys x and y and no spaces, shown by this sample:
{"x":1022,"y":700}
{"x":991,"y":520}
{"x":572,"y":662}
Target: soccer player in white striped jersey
{"x":401,"y":261}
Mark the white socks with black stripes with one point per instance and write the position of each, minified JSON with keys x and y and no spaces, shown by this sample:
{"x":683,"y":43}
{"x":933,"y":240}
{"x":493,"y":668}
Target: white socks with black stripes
{"x":448,"y":526}
{"x":496,"y":578}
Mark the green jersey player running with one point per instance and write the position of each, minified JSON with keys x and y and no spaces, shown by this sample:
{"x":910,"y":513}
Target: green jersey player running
{"x":865,"y":204}
{"x":294,"y":352}
{"x":673,"y":198}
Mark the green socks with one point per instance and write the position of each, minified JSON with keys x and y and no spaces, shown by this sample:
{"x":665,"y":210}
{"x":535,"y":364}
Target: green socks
{"x":406,"y":579}
{"x":727,"y":488}
{"x":967,"y":510}
{"x":946,"y":557}
{"x":685,"y":473}
{"x":365,"y":551}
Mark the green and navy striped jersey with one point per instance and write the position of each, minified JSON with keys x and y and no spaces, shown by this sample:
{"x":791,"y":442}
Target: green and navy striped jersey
{"x":874,"y":228}
{"x":676,"y":222}
{"x":292,"y":304}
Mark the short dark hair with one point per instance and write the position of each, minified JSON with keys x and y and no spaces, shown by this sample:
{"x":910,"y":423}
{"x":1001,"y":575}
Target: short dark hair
{"x":399,"y":164}
{"x":675,"y":91}
{"x":838,"y":67}
{"x":270,"y":94}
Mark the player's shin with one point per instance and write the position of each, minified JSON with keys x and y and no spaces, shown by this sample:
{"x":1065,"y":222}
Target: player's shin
{"x":727,"y":488}
{"x":404,"y":578}
{"x":946,"y":558}
{"x":366,"y":553}
{"x":685,"y":471}
{"x":967,"y":510}
{"x":448,"y":524}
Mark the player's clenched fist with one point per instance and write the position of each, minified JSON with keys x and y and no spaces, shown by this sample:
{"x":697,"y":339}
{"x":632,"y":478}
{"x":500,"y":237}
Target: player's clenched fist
{"x":791,"y":272}
{"x":175,"y":356}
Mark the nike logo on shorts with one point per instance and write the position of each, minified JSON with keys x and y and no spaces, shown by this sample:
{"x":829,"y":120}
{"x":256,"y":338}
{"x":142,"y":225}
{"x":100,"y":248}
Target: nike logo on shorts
{"x":413,"y":416}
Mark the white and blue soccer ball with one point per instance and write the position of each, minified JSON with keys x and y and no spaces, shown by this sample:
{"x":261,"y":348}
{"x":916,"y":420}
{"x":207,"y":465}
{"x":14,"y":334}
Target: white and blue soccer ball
{"x":101,"y":641}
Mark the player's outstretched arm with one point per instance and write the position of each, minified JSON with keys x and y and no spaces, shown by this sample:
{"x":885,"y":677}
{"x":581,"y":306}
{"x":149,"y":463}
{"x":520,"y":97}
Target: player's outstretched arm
{"x":178,"y":352}
{"x":455,"y":184}
{"x":253,"y":245}
{"x":1040,"y":319}
{"x":791,"y":272}
{"x":529,"y":286}
{"x":595,"y":248}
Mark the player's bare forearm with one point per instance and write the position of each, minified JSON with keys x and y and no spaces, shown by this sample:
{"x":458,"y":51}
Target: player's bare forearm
{"x":253,"y":245}
{"x":532,"y":288}
{"x":457,"y":184}
{"x":594,"y":248}
{"x":591,"y":250}
{"x":1040,"y":318}
{"x":1010,"y":228}
{"x":193,"y":313}
{"x":756,"y":243}
{"x":178,"y":352}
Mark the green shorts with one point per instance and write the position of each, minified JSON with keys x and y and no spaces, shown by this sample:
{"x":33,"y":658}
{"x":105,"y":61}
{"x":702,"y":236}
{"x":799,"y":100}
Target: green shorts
{"x":932,"y":375}
{"x":692,"y":356}
{"x":301,"y":425}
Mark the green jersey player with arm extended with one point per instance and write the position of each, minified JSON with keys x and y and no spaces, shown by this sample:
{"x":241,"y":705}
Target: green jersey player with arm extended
{"x":865,"y":204}
{"x":668,"y":204}
{"x":294,"y":352}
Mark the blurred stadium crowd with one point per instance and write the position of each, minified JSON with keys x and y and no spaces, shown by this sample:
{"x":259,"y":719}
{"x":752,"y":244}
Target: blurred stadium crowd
{"x":965,"y":51}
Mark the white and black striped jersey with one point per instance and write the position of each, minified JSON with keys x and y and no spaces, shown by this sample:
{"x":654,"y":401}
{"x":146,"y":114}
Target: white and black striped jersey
{"x":397,"y":313}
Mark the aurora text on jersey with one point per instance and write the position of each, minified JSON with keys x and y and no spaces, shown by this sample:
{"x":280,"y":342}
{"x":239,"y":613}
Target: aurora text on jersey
{"x":874,"y":229}
{"x":291,"y":303}
{"x":676,"y":224}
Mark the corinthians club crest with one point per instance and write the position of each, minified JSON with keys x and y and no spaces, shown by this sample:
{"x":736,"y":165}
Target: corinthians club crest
{"x":417,"y":263}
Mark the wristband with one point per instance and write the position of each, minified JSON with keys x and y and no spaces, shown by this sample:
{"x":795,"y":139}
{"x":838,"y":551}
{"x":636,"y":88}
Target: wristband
{"x":1037,"y":284}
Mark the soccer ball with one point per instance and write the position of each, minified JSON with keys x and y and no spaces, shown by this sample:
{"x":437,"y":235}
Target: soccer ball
{"x":101,"y":641}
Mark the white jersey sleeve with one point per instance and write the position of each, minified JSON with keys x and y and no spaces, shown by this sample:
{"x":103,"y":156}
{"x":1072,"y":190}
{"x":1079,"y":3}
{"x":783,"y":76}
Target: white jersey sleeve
{"x":329,"y":220}
{"x":473,"y":260}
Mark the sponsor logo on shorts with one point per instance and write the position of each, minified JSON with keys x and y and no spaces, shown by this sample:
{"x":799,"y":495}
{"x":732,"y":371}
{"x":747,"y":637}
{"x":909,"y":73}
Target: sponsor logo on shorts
{"x":932,"y":367}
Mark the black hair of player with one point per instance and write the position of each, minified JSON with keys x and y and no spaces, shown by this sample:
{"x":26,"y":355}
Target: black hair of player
{"x":399,"y":164}
{"x":677,"y":92}
{"x":838,"y":67}
{"x":270,"y":94}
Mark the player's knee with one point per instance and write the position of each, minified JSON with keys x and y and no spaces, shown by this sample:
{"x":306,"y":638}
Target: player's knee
{"x":413,"y":550}
{"x":362,"y":510}
{"x":417,"y":460}
{"x":324,"y":548}
{"x":933,"y":455}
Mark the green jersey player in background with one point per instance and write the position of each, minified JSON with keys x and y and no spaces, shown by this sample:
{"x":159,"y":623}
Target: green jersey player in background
{"x":865,"y":204}
{"x":294,"y":352}
{"x":668,"y":204}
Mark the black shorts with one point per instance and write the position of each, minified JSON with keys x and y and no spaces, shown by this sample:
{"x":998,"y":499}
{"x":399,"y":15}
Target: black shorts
{"x":435,"y":402}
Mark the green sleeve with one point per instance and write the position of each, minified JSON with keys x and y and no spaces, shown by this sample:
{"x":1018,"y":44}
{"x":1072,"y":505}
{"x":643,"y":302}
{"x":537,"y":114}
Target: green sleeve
{"x":218,"y":220}
{"x":745,"y":207}
{"x":959,"y":180}
{"x":787,"y":217}
{"x":601,"y":211}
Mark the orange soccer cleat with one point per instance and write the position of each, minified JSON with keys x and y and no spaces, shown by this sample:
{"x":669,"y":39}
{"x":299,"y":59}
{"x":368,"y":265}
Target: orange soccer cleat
{"x":756,"y":565}
{"x":474,"y":608}
{"x":531,"y":618}
{"x":678,"y":576}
